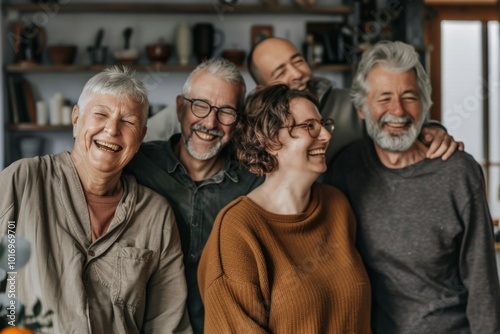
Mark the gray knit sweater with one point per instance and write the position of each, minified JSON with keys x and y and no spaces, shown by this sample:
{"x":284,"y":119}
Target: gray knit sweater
{"x":426,"y":237}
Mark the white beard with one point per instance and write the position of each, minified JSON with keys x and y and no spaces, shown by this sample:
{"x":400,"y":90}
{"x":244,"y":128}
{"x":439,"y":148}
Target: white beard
{"x":392,"y":142}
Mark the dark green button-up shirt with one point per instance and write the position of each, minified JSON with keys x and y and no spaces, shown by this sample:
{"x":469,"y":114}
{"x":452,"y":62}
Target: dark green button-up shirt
{"x":195,"y":204}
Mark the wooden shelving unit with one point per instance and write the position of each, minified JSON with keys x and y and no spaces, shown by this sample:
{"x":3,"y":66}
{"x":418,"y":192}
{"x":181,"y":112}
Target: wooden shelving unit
{"x":160,"y":68}
{"x":211,"y":11}
{"x":28,"y":127}
{"x":194,"y":9}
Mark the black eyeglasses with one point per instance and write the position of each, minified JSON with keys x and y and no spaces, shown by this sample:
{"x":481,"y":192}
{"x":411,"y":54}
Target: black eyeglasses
{"x":313,"y":126}
{"x":201,"y":109}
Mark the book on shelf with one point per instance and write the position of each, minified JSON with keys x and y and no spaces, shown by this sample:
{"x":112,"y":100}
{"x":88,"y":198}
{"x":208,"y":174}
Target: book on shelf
{"x":22,"y":101}
{"x":14,"y":109}
{"x":30,"y":101}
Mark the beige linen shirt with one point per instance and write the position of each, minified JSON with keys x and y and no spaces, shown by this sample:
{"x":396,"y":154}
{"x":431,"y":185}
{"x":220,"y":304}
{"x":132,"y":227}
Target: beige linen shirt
{"x":130,"y":280}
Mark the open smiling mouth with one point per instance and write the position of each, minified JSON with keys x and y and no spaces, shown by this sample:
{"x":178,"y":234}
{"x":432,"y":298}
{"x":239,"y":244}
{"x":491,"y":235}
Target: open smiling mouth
{"x":316,"y":152}
{"x":205,"y":136}
{"x":108,"y":146}
{"x":397,"y":124}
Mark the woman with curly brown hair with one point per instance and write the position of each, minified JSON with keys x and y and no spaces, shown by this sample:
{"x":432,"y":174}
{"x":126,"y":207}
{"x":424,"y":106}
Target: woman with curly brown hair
{"x":282,"y":259}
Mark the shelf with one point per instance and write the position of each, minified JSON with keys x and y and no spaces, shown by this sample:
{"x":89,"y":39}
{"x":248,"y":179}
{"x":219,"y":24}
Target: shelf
{"x":93,"y":68}
{"x":28,"y":127}
{"x":216,"y":9}
{"x":141,"y":68}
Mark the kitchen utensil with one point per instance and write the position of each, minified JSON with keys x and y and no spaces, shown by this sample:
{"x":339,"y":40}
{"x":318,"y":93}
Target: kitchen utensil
{"x":98,"y":53}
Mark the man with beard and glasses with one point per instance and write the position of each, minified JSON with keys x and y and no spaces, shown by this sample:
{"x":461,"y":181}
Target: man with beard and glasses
{"x":276,"y":60}
{"x":424,"y":228}
{"x":195,"y":169}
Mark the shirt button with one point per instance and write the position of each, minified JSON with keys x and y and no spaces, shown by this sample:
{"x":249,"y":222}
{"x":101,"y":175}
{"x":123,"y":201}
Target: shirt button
{"x":91,"y":253}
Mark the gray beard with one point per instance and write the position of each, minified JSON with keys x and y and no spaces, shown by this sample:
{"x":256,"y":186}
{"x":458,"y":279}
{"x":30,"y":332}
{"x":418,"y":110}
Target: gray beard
{"x":206,"y":155}
{"x":387,"y":141}
{"x":202,"y":156}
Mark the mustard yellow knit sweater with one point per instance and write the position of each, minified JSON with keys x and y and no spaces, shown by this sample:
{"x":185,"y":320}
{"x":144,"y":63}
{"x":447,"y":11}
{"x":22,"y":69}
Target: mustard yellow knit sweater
{"x":267,"y":273}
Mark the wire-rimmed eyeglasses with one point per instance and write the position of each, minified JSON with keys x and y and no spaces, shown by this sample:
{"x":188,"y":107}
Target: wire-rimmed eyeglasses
{"x":313,"y":126}
{"x":201,"y":109}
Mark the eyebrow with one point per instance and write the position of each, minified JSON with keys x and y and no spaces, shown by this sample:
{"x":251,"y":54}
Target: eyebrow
{"x":411,"y":91}
{"x":283,"y":65}
{"x":223,"y":106}
{"x":100,"y":106}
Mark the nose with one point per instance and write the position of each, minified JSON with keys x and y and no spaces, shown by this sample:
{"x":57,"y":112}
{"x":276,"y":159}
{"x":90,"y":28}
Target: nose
{"x":210,"y":121}
{"x":397,"y":108}
{"x":294,"y":73}
{"x":324,"y":134}
{"x":112,"y":126}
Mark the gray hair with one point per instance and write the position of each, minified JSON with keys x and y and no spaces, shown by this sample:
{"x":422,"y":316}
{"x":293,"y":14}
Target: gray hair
{"x":116,"y":81}
{"x":396,"y":56}
{"x":222,"y":69}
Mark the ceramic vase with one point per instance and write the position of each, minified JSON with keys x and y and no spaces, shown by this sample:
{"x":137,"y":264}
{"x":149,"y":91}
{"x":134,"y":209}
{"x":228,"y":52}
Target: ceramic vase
{"x":183,"y":43}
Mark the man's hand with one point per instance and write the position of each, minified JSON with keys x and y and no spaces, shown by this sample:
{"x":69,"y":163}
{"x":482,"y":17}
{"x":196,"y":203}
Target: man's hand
{"x":439,"y":142}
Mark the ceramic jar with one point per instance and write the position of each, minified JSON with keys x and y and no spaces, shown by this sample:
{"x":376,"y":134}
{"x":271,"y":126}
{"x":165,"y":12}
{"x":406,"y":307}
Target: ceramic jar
{"x":183,"y":43}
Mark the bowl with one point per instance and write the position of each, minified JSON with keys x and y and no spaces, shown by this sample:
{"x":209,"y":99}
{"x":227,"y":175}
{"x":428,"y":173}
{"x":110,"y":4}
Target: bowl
{"x":62,"y":54}
{"x":126,"y":57}
{"x":158,"y":53}
{"x":234,"y":55}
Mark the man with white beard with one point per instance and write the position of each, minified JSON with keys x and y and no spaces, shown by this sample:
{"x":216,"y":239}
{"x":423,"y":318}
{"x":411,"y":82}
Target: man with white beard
{"x":424,"y":228}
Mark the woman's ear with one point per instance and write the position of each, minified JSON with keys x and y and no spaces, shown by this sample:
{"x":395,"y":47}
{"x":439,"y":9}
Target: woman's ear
{"x":75,"y":114}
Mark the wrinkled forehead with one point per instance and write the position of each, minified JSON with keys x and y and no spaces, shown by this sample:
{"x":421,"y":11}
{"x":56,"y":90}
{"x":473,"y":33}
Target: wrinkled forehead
{"x":127,"y":104}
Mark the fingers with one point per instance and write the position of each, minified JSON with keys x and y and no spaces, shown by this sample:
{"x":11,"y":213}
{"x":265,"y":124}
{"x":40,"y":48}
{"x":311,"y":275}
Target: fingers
{"x":443,"y":146}
{"x":439,"y":145}
{"x":449,"y":152}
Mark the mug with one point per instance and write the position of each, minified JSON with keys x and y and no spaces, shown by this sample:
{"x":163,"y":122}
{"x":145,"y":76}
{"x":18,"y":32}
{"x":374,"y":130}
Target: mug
{"x":204,"y":35}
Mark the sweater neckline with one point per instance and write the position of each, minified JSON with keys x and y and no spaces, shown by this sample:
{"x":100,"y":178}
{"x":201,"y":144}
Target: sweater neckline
{"x":297,"y":218}
{"x":408,"y":171}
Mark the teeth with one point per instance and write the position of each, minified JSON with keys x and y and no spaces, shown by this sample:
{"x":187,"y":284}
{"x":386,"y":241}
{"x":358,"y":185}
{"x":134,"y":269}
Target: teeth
{"x":396,"y":125}
{"x":108,"y":146}
{"x":205,"y":136}
{"x":317,"y":152}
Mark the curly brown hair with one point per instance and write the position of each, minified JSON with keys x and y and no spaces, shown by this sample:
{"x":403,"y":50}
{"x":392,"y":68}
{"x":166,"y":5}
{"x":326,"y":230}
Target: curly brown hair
{"x":266,"y":112}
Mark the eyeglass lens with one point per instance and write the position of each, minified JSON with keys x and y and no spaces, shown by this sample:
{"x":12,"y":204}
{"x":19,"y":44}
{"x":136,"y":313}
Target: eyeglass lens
{"x":201,"y":109}
{"x":314,"y":126}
